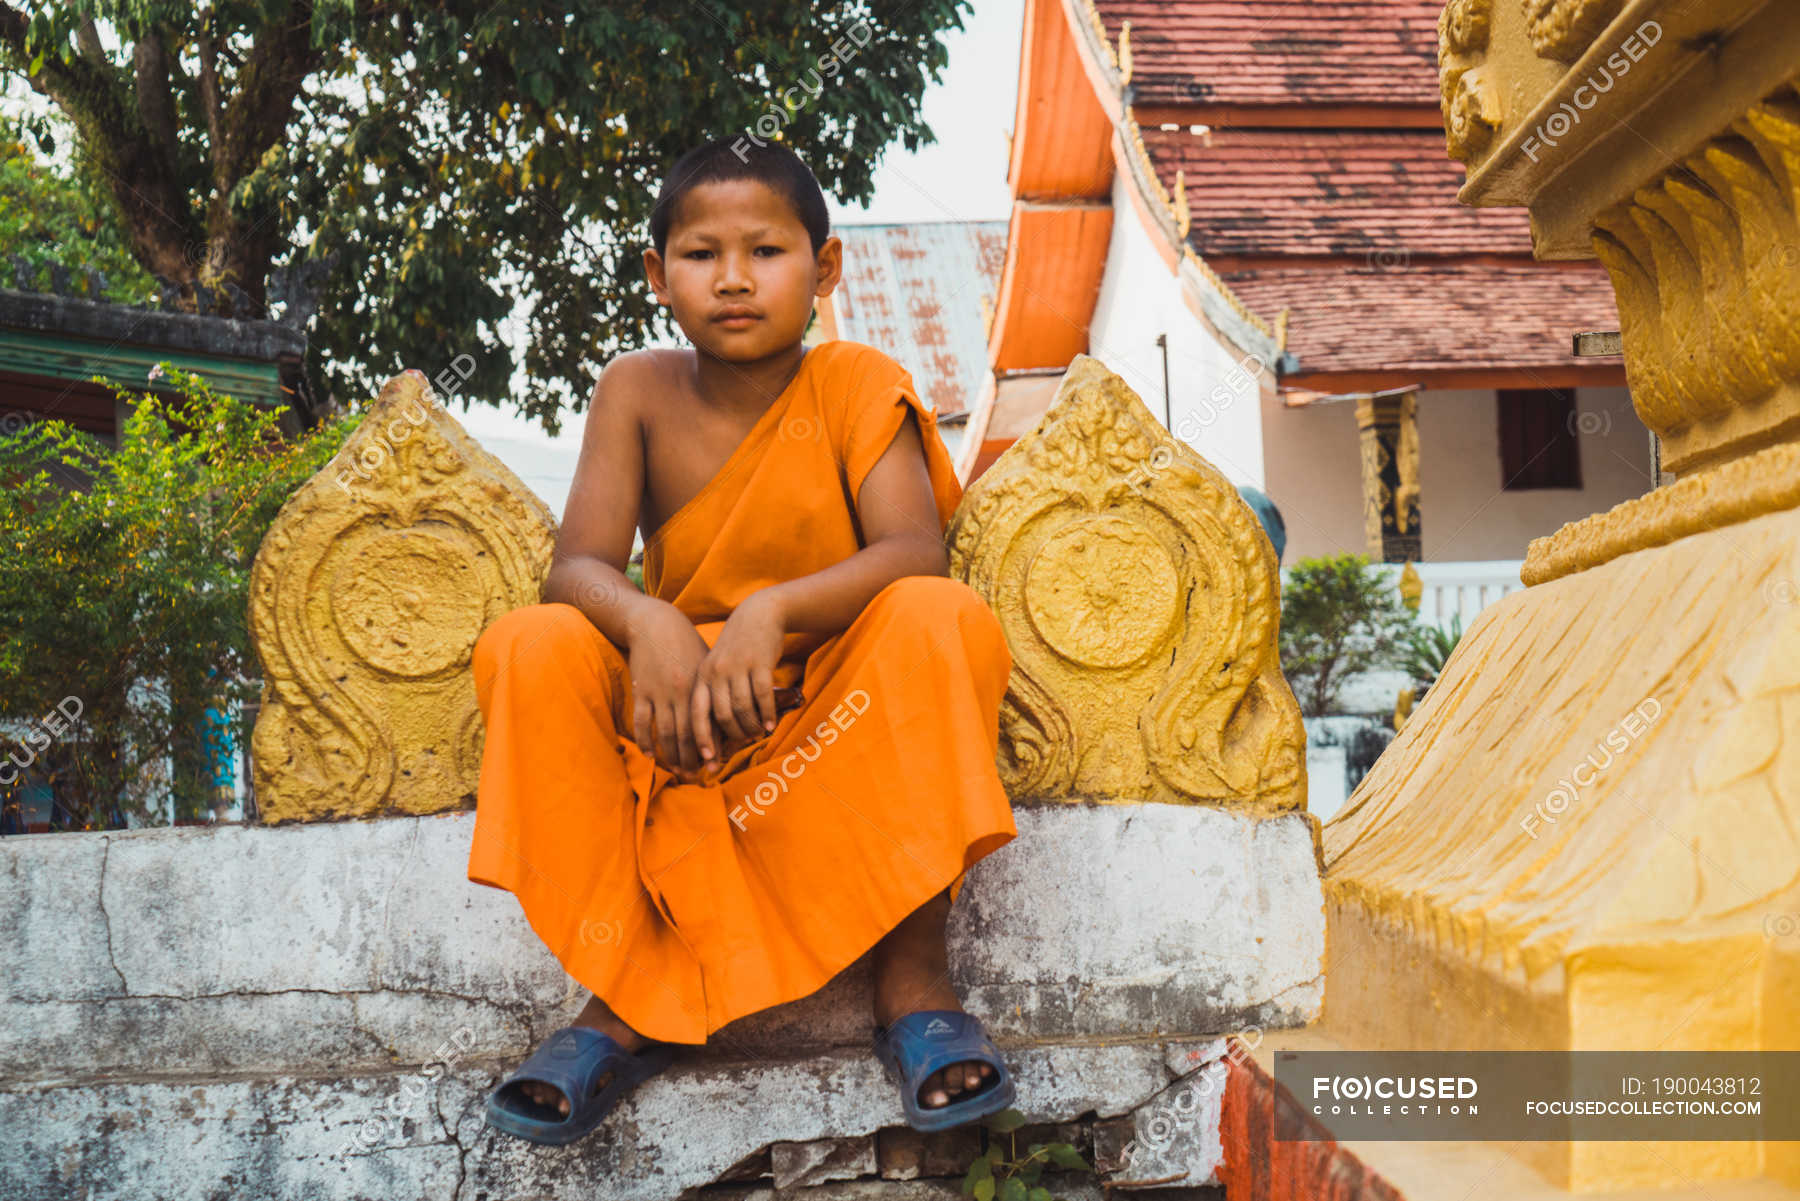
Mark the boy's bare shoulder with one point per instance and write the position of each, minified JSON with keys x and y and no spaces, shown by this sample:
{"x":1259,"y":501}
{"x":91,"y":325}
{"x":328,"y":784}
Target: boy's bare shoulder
{"x":630,"y":373}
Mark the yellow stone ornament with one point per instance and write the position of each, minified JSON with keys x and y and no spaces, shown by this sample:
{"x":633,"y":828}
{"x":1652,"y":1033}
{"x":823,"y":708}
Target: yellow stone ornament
{"x":1141,"y":603}
{"x":366,"y":598}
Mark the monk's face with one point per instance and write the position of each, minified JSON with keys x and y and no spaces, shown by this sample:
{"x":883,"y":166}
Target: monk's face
{"x":739,"y":271}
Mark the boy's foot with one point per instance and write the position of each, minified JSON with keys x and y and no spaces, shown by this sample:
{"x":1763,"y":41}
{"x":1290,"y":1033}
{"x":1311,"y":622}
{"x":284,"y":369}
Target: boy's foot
{"x":951,"y":1083}
{"x":895,"y":1000}
{"x":912,"y":974}
{"x":595,"y":1014}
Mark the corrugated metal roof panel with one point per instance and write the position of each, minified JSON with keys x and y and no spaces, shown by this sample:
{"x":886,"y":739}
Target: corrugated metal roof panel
{"x":915,"y":291}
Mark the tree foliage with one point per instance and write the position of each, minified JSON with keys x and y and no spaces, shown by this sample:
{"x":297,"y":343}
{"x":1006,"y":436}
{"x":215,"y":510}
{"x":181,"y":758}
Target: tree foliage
{"x":126,"y":585}
{"x":1340,"y":616}
{"x":1428,"y":648}
{"x":456,"y":157}
{"x":51,"y":217}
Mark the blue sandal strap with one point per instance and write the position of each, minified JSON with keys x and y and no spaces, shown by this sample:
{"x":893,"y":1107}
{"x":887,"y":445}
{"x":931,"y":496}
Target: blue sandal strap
{"x":572,"y":1060}
{"x":919,"y":1044}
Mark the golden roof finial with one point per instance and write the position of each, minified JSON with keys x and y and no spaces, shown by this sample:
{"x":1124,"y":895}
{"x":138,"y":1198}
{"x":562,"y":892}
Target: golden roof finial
{"x":1125,"y":53}
{"x":1182,"y":217}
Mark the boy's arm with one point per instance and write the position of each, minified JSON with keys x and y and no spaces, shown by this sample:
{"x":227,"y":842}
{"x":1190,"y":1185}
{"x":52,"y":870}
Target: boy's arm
{"x":900,"y":526}
{"x":600,"y":518}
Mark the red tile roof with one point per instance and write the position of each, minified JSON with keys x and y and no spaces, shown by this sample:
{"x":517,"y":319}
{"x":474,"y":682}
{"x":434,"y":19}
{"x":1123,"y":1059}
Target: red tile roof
{"x":1433,"y":318}
{"x":915,"y":292}
{"x":1331,"y":52}
{"x":1382,"y":195}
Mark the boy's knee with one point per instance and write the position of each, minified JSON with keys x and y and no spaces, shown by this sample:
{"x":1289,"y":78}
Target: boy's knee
{"x":937,"y":602}
{"x":532,"y":631}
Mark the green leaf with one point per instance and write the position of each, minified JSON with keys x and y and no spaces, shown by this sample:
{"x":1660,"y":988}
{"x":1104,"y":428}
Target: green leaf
{"x":1006,"y":1121}
{"x":1038,"y":1194}
{"x":984,"y":1189}
{"x":981,"y":1169}
{"x":1066,"y":1156}
{"x":1012,"y":1190}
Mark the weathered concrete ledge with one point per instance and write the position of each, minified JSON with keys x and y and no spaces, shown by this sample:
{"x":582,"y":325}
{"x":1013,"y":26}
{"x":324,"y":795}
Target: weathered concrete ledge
{"x":318,"y":1010}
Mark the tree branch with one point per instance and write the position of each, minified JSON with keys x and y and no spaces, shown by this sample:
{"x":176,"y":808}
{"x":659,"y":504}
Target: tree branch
{"x":87,"y":38}
{"x":156,"y":107}
{"x":141,"y":175}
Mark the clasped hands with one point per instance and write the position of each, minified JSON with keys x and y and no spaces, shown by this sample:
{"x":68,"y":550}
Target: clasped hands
{"x":695,"y":705}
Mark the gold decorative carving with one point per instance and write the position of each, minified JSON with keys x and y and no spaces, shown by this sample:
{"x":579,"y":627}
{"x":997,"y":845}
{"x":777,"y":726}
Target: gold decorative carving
{"x":1412,"y":586}
{"x":1564,"y":29}
{"x":1706,"y":265}
{"x":1125,"y":53}
{"x":1464,"y":26}
{"x":1765,"y":482}
{"x":1074,"y":604}
{"x":366,"y":598}
{"x":1183,"y":217}
{"x":1471,"y":103}
{"x":1584,"y":835}
{"x":1140,"y":600}
{"x":1587,"y":827}
{"x":1388,"y":428}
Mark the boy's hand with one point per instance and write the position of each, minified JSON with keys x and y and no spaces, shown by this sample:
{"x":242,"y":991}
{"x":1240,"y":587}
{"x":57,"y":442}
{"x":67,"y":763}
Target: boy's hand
{"x":665,"y":653}
{"x":735,"y":684}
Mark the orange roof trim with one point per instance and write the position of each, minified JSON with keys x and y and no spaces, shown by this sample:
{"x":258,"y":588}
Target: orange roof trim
{"x":1055,"y":258}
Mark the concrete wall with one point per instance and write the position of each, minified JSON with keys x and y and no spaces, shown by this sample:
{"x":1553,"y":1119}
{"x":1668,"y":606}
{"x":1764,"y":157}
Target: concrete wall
{"x":1141,"y":298}
{"x":1314,"y":473}
{"x":317,"y":1010}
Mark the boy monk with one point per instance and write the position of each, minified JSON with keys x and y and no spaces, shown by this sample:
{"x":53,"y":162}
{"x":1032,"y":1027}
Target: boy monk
{"x":689,"y":852}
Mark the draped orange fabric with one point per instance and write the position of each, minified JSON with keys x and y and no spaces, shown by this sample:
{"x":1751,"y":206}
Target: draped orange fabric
{"x":686,"y":900}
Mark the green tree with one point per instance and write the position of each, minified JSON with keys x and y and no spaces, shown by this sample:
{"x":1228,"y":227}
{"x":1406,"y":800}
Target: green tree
{"x":455,"y":157}
{"x":58,"y":217}
{"x":1340,"y":616}
{"x":126,"y":585}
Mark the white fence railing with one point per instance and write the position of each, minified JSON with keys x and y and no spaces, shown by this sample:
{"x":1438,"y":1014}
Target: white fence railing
{"x":1463,"y":589}
{"x":1456,"y":589}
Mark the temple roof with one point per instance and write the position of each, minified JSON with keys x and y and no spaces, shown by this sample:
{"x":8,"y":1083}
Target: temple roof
{"x":1424,"y":317}
{"x":916,"y":291}
{"x":1281,"y":52}
{"x":1386,"y":193}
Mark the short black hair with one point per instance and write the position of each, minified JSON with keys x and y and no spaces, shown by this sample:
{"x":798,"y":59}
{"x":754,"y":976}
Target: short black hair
{"x":771,"y":164}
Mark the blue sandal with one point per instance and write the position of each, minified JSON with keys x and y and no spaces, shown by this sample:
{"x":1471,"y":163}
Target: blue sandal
{"x":928,"y":1041}
{"x":578,"y":1061}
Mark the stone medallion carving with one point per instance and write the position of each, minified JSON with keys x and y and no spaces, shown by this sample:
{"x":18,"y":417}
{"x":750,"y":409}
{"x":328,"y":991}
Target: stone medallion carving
{"x":401,"y":601}
{"x":1075,"y":604}
{"x":1141,"y":604}
{"x":367,"y":596}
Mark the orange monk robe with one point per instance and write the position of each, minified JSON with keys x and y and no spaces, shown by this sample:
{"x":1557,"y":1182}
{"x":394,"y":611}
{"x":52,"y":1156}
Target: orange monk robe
{"x":686,"y":900}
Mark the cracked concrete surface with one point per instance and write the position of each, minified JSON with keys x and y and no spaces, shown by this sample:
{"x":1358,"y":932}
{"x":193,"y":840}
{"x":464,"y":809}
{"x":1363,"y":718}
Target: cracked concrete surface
{"x":266,"y":1012}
